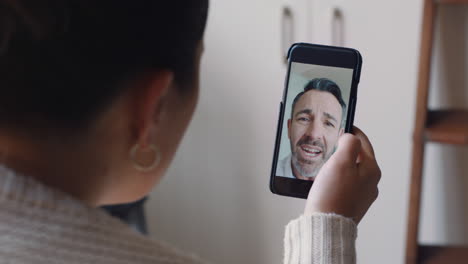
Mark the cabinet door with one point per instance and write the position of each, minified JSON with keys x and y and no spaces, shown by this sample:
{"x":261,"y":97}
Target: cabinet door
{"x":387,"y":35}
{"x":215,"y":198}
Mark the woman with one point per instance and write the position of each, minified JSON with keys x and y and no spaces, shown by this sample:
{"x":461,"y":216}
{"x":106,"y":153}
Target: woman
{"x":96,"y":96}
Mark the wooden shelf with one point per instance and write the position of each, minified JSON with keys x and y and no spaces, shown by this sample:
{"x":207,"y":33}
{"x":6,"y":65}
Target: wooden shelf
{"x":447,"y":126}
{"x":452,"y":1}
{"x":442,"y":255}
{"x":442,"y":126}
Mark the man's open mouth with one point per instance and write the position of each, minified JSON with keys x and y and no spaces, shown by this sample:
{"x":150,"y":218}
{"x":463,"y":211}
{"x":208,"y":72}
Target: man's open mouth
{"x":311,"y":151}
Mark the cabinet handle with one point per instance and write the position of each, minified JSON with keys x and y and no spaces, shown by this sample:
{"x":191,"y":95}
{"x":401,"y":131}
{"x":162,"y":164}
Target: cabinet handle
{"x":338,"y":27}
{"x":287,"y":32}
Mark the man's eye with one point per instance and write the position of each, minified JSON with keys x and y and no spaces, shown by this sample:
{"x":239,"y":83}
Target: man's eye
{"x":304,"y":119}
{"x":330,"y":124}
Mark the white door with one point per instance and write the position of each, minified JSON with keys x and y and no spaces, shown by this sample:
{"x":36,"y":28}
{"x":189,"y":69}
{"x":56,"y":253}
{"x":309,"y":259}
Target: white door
{"x":387,"y":34}
{"x":215,"y":199}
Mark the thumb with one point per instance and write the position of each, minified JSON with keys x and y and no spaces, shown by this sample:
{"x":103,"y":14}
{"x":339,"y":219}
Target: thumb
{"x":349,"y":147}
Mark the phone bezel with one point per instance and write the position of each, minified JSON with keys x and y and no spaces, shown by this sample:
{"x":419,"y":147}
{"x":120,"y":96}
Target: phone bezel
{"x":317,"y":55}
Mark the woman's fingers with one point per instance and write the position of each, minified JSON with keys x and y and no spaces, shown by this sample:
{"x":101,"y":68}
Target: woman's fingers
{"x":365,"y":142}
{"x":347,"y":182}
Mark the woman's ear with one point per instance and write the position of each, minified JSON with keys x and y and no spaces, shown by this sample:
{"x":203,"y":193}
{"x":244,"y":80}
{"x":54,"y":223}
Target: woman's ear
{"x":148,"y":102}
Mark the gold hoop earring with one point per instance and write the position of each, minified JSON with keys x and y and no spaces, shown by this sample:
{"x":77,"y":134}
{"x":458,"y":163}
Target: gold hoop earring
{"x":145,"y":166}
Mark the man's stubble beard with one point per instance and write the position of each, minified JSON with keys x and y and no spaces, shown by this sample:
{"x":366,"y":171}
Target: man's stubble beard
{"x":298,"y":165}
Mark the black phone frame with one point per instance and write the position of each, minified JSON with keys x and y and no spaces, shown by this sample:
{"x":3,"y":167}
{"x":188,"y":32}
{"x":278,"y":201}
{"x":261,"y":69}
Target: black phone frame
{"x":324,"y":56}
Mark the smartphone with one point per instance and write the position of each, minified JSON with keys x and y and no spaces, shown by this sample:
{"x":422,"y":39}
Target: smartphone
{"x":317,"y":107}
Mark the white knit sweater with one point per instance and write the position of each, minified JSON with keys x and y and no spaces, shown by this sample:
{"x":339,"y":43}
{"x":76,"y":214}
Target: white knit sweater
{"x":41,"y":225}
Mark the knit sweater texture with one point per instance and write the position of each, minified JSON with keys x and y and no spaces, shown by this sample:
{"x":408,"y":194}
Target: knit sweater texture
{"x":42,"y":225}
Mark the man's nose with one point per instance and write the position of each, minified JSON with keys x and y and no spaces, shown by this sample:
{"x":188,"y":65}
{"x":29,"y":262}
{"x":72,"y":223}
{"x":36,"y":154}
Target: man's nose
{"x":314,"y":130}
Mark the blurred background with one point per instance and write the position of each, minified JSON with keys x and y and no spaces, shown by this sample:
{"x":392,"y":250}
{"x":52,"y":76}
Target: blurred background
{"x":215,"y":199}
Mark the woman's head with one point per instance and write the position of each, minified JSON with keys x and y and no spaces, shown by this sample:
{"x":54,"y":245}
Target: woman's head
{"x":64,"y":59}
{"x":104,"y":73}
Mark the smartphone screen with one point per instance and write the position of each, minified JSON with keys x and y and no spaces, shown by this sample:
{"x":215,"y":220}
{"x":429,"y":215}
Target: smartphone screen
{"x":317,"y":108}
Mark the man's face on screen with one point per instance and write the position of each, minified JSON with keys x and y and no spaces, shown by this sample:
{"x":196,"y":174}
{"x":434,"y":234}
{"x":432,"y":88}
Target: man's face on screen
{"x":313,"y":132}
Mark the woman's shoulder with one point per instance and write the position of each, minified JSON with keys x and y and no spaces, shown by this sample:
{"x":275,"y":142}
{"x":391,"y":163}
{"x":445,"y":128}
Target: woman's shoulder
{"x":42,"y":225}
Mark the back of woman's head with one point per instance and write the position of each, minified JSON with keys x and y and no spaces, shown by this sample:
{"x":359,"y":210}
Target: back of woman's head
{"x":63,"y":61}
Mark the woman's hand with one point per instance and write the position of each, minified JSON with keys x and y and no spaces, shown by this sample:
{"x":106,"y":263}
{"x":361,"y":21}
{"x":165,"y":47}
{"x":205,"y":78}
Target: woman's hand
{"x":347,"y":182}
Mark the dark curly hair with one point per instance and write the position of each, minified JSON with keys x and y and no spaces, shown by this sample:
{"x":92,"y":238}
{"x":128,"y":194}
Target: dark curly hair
{"x":61,"y":61}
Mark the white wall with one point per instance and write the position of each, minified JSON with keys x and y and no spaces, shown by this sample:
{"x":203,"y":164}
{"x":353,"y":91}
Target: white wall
{"x":215,"y":199}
